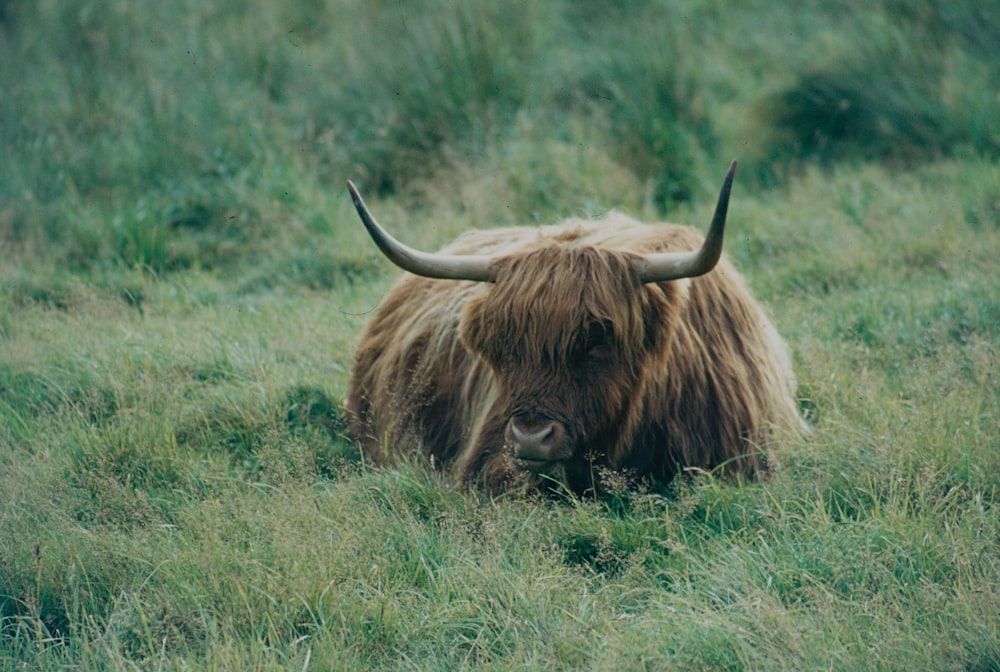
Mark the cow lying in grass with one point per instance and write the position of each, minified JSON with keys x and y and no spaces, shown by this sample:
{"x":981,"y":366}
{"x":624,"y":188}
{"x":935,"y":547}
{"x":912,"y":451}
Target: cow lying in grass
{"x":551,"y":355}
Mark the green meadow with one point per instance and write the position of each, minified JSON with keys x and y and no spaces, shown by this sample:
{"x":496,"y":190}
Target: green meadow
{"x":183,"y":282}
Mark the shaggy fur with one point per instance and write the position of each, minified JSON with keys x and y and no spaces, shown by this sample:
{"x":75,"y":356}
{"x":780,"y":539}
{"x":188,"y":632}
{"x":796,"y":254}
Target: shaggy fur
{"x":646,"y":379}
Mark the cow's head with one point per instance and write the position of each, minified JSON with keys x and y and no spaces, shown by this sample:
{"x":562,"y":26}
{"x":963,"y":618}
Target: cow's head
{"x":569,"y":333}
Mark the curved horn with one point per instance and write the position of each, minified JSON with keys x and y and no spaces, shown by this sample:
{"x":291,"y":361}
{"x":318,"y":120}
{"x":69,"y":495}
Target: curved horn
{"x":443,"y":266}
{"x":675,"y":265}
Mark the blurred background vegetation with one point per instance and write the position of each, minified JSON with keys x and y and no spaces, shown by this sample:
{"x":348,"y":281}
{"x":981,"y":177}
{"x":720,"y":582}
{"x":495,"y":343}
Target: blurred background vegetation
{"x":191,"y":133}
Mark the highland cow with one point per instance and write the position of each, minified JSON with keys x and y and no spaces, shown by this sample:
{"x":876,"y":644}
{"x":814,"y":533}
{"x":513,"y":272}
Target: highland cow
{"x":549,"y":356}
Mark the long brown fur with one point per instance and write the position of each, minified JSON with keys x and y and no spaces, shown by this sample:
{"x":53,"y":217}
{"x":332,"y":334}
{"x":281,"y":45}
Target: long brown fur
{"x":687,"y":374}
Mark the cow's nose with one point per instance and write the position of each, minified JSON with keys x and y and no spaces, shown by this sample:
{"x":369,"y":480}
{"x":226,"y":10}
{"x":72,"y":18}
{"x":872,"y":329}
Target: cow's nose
{"x":535,"y":441}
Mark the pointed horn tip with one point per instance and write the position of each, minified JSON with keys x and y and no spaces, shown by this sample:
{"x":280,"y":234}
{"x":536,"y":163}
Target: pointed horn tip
{"x":359,"y":203}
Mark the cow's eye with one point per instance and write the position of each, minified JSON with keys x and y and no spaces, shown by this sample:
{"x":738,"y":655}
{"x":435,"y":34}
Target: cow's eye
{"x":597,"y":343}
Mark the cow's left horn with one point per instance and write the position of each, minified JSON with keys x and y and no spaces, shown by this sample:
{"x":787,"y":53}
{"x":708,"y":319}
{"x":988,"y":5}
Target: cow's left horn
{"x":444,"y":266}
{"x":675,"y":265}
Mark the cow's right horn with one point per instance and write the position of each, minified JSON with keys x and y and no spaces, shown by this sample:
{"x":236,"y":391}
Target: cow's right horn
{"x":443,"y":266}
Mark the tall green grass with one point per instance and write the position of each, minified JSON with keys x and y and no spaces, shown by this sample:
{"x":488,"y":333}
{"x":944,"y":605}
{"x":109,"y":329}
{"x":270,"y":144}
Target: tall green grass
{"x":182,"y":283}
{"x":191,"y":128}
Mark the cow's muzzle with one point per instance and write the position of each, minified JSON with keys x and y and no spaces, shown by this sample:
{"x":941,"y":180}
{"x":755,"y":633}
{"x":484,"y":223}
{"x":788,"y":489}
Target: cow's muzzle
{"x":536,"y":442}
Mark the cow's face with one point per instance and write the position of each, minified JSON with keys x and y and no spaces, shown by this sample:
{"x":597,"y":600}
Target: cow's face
{"x":570,"y":334}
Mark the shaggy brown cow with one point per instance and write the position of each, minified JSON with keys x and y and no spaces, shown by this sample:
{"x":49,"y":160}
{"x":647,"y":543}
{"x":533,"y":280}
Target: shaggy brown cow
{"x":553,"y":355}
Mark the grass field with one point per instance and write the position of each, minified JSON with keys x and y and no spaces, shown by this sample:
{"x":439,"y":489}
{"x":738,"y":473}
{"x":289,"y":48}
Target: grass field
{"x":183,"y":281}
